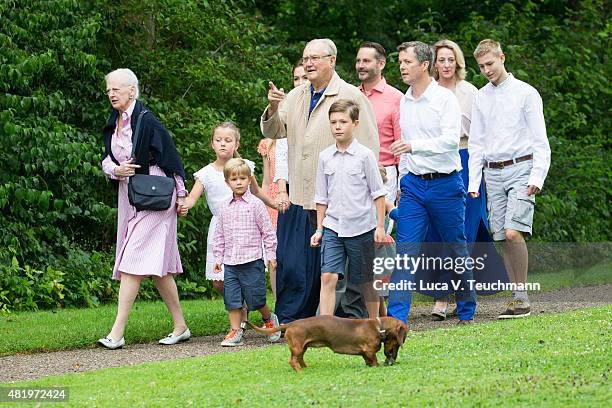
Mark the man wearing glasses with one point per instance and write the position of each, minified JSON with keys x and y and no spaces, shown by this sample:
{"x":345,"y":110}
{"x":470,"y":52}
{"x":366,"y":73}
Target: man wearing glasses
{"x":302,"y":117}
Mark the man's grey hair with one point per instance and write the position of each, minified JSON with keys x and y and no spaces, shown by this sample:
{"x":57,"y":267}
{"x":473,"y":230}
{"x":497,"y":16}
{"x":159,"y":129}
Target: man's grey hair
{"x":128,"y":77}
{"x":422,"y":51}
{"x":331,"y":47}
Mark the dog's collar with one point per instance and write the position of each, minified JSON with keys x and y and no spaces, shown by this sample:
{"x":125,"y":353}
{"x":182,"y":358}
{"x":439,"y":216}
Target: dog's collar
{"x":381,"y":331}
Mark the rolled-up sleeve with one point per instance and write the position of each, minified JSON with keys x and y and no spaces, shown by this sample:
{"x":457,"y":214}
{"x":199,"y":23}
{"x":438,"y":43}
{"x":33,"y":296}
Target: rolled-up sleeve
{"x":476,"y":148}
{"x":321,"y":191}
{"x":534,"y":116}
{"x":373,"y":178}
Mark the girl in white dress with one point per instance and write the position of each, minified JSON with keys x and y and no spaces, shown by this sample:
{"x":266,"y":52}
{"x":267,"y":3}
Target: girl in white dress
{"x":209,"y":180}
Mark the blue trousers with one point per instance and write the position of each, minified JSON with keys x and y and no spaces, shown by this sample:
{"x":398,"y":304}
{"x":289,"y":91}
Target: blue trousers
{"x":439,"y":203}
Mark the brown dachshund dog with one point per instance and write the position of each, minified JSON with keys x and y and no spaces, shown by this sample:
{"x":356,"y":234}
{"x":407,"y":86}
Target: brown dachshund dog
{"x":345,"y":336}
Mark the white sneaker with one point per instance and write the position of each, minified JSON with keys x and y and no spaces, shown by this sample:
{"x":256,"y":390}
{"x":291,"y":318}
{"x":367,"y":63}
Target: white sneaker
{"x":233,"y":339}
{"x":273,"y":322}
{"x":112,"y":344}
{"x":172,"y":339}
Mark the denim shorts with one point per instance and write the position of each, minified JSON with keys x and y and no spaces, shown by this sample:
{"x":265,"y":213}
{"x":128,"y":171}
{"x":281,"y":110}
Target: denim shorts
{"x":359,"y":250}
{"x":508,"y":205}
{"x":245,"y":283}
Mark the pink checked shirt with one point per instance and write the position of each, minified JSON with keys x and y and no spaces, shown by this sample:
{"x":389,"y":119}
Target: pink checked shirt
{"x":385,"y":101}
{"x":243,"y":225}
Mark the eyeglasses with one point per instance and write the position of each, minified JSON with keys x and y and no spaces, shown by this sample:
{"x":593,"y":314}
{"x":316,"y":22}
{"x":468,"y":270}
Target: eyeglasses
{"x":114,"y":91}
{"x":314,"y":58}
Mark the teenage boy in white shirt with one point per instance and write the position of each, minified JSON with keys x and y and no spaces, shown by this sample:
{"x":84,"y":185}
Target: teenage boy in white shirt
{"x":508,"y":138}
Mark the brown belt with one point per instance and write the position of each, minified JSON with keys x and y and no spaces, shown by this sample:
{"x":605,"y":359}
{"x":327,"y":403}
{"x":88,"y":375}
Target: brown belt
{"x":502,"y":164}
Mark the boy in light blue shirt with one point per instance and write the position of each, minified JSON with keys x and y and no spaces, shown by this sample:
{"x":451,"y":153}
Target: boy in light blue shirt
{"x":348,"y":182}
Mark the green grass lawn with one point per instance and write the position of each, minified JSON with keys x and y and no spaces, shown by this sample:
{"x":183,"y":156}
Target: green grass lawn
{"x":77,"y":328}
{"x":594,"y":275}
{"x":150,"y":321}
{"x":552,"y":360}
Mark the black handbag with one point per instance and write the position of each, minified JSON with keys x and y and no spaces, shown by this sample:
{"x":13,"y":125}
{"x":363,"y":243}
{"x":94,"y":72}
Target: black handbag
{"x":146,"y":192}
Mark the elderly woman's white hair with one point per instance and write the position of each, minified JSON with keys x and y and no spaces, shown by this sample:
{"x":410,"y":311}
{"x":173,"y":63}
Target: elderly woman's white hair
{"x":331,"y":47}
{"x":127,"y":78}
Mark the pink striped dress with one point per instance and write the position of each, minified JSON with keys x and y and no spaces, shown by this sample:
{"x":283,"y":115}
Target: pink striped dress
{"x":146,"y":240}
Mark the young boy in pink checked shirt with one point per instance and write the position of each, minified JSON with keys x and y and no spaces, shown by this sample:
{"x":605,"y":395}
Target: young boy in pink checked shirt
{"x":244,"y":223}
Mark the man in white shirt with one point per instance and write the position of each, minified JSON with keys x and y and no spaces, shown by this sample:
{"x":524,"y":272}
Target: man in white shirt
{"x":432,"y":191}
{"x":508,"y":138}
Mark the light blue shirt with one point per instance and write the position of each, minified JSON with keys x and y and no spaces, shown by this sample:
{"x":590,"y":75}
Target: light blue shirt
{"x":348,"y":183}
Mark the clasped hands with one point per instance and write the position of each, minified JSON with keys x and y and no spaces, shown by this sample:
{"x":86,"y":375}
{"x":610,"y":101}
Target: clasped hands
{"x":282,"y":202}
{"x":126,"y":169}
{"x":183,"y":204}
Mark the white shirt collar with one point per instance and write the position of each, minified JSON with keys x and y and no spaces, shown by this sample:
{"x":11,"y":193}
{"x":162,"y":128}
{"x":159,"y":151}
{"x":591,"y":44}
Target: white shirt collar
{"x":428,"y":91}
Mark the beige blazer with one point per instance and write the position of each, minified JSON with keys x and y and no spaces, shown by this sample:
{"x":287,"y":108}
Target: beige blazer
{"x":306,"y":138}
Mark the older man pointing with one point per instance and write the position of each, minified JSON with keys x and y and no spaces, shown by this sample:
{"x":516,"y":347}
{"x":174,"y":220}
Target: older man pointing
{"x":302,"y":117}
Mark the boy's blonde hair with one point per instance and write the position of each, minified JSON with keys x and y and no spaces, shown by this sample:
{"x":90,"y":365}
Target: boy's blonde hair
{"x":486,"y":46}
{"x":228,"y":125}
{"x":459,"y":58}
{"x":236,"y":166}
{"x":345,"y":106}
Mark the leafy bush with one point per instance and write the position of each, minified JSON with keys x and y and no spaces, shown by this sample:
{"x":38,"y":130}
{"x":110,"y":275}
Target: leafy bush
{"x":23,"y":287}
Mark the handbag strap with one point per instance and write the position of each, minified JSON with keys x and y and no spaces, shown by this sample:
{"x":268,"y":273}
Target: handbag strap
{"x":136,"y":134}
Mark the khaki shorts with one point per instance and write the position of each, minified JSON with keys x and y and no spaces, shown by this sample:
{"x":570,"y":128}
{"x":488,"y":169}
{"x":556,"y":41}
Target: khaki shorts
{"x":508,"y":205}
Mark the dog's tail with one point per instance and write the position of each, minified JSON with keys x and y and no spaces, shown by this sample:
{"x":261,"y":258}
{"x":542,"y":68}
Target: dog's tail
{"x":280,"y":328}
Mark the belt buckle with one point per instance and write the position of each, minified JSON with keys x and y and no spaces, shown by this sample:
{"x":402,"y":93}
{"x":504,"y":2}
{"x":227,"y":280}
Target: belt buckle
{"x":501,"y":165}
{"x":428,"y":176}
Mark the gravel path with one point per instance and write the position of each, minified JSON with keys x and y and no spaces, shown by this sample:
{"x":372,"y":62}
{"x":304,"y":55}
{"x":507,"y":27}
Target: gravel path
{"x":31,"y":366}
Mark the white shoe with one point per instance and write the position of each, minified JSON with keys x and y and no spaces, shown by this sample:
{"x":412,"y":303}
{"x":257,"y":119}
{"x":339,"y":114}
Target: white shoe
{"x":272,"y":323}
{"x":172,"y":339}
{"x":112,"y":344}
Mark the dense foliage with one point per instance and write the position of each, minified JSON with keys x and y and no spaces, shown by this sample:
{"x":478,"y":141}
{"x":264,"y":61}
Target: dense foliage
{"x":202,"y":62}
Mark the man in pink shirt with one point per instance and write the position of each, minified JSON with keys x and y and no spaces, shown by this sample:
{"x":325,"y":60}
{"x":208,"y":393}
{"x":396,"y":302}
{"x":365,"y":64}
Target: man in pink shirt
{"x":244,"y":225}
{"x":385,"y":99}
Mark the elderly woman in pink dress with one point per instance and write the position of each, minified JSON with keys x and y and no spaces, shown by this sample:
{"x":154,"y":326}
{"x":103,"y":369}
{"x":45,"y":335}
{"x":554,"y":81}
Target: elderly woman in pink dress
{"x":146,"y":240}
